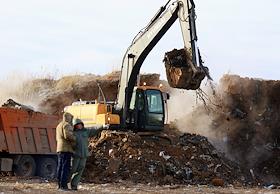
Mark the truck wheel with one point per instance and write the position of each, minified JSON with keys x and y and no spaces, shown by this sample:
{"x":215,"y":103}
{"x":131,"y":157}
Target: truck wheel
{"x":24,"y":166}
{"x":47,"y":168}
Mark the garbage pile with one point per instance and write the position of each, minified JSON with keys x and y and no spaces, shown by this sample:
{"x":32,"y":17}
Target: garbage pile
{"x":53,"y":95}
{"x":179,"y":159}
{"x":249,"y":118}
{"x":243,"y":121}
{"x":10,"y":103}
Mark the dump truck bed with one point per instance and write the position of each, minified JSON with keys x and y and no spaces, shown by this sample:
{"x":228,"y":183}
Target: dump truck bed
{"x":27,"y":132}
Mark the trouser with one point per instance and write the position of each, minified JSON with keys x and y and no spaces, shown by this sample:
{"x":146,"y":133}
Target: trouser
{"x":78,"y":166}
{"x":63,"y":168}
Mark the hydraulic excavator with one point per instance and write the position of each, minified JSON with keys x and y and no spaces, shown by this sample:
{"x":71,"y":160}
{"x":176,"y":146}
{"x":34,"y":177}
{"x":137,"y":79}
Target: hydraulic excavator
{"x":142,"y":108}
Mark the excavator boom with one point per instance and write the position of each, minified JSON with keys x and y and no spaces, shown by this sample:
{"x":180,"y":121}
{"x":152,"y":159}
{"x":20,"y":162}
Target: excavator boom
{"x":144,"y":42}
{"x":143,"y":108}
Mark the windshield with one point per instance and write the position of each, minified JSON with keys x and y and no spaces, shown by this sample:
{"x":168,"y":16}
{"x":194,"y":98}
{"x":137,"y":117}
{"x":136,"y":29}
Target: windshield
{"x":154,"y":99}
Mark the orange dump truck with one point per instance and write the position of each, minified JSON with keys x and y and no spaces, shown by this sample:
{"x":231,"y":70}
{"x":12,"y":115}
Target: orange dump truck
{"x":27,"y":142}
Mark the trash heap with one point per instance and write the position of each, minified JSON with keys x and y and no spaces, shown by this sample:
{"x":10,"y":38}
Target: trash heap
{"x":176,"y":159}
{"x":50,"y":95}
{"x":242,"y":121}
{"x":249,"y":120}
{"x":10,"y":103}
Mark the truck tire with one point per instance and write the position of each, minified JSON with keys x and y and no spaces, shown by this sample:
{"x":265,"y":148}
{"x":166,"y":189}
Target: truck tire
{"x":24,"y":166}
{"x":46,"y":167}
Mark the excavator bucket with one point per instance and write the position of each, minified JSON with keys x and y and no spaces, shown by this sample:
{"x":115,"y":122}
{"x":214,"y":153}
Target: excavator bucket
{"x":181,"y":72}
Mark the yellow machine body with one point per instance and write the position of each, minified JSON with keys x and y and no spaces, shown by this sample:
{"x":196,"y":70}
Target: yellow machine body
{"x":92,"y":114}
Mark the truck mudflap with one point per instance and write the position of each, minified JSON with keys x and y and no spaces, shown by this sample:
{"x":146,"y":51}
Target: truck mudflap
{"x":181,"y":72}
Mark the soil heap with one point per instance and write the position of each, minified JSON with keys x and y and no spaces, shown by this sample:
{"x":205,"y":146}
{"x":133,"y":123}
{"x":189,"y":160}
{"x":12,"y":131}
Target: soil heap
{"x":245,"y":124}
{"x":252,"y":123}
{"x":53,"y":95}
{"x":189,"y":159}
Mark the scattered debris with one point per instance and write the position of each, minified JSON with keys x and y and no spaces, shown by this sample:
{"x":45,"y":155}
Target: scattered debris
{"x":253,"y":125}
{"x":272,"y":186}
{"x":190,"y":159}
{"x":252,"y":174}
{"x":162,"y":154}
{"x":217,"y":182}
{"x":243,"y":121}
{"x":10,"y":103}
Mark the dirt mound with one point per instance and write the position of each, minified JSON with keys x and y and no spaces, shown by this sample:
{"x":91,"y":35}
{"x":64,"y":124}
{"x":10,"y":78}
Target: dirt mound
{"x":243,"y":116}
{"x":251,"y":121}
{"x":54,"y":95}
{"x":190,"y":159}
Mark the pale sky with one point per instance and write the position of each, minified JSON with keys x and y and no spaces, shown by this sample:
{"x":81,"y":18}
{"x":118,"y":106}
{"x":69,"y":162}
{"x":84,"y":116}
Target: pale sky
{"x":70,"y":36}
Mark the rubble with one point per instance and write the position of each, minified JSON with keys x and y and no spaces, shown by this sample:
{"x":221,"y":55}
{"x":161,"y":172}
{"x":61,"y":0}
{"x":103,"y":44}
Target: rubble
{"x":191,"y":159}
{"x":252,"y":122}
{"x":10,"y":103}
{"x":244,"y":123}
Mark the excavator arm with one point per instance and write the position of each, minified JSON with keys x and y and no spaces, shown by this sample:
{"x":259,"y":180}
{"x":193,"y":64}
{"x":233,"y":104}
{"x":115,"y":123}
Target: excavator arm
{"x":144,"y":42}
{"x":142,"y":108}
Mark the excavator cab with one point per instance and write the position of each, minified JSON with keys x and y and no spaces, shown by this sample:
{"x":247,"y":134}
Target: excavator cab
{"x":146,"y":111}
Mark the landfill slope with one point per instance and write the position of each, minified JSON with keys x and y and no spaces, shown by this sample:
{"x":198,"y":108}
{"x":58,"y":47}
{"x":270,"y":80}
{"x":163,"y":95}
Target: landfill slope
{"x":188,"y":159}
{"x":251,"y":123}
{"x":179,"y":159}
{"x":54,"y":94}
{"x":243,"y":117}
{"x":244,"y":123}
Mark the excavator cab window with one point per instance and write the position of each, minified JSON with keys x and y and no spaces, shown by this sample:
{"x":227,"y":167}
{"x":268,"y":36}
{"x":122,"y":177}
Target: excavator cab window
{"x":154,"y":99}
{"x":147,"y":110}
{"x":154,"y":110}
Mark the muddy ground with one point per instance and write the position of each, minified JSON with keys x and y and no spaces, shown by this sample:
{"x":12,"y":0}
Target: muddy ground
{"x":34,"y":185}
